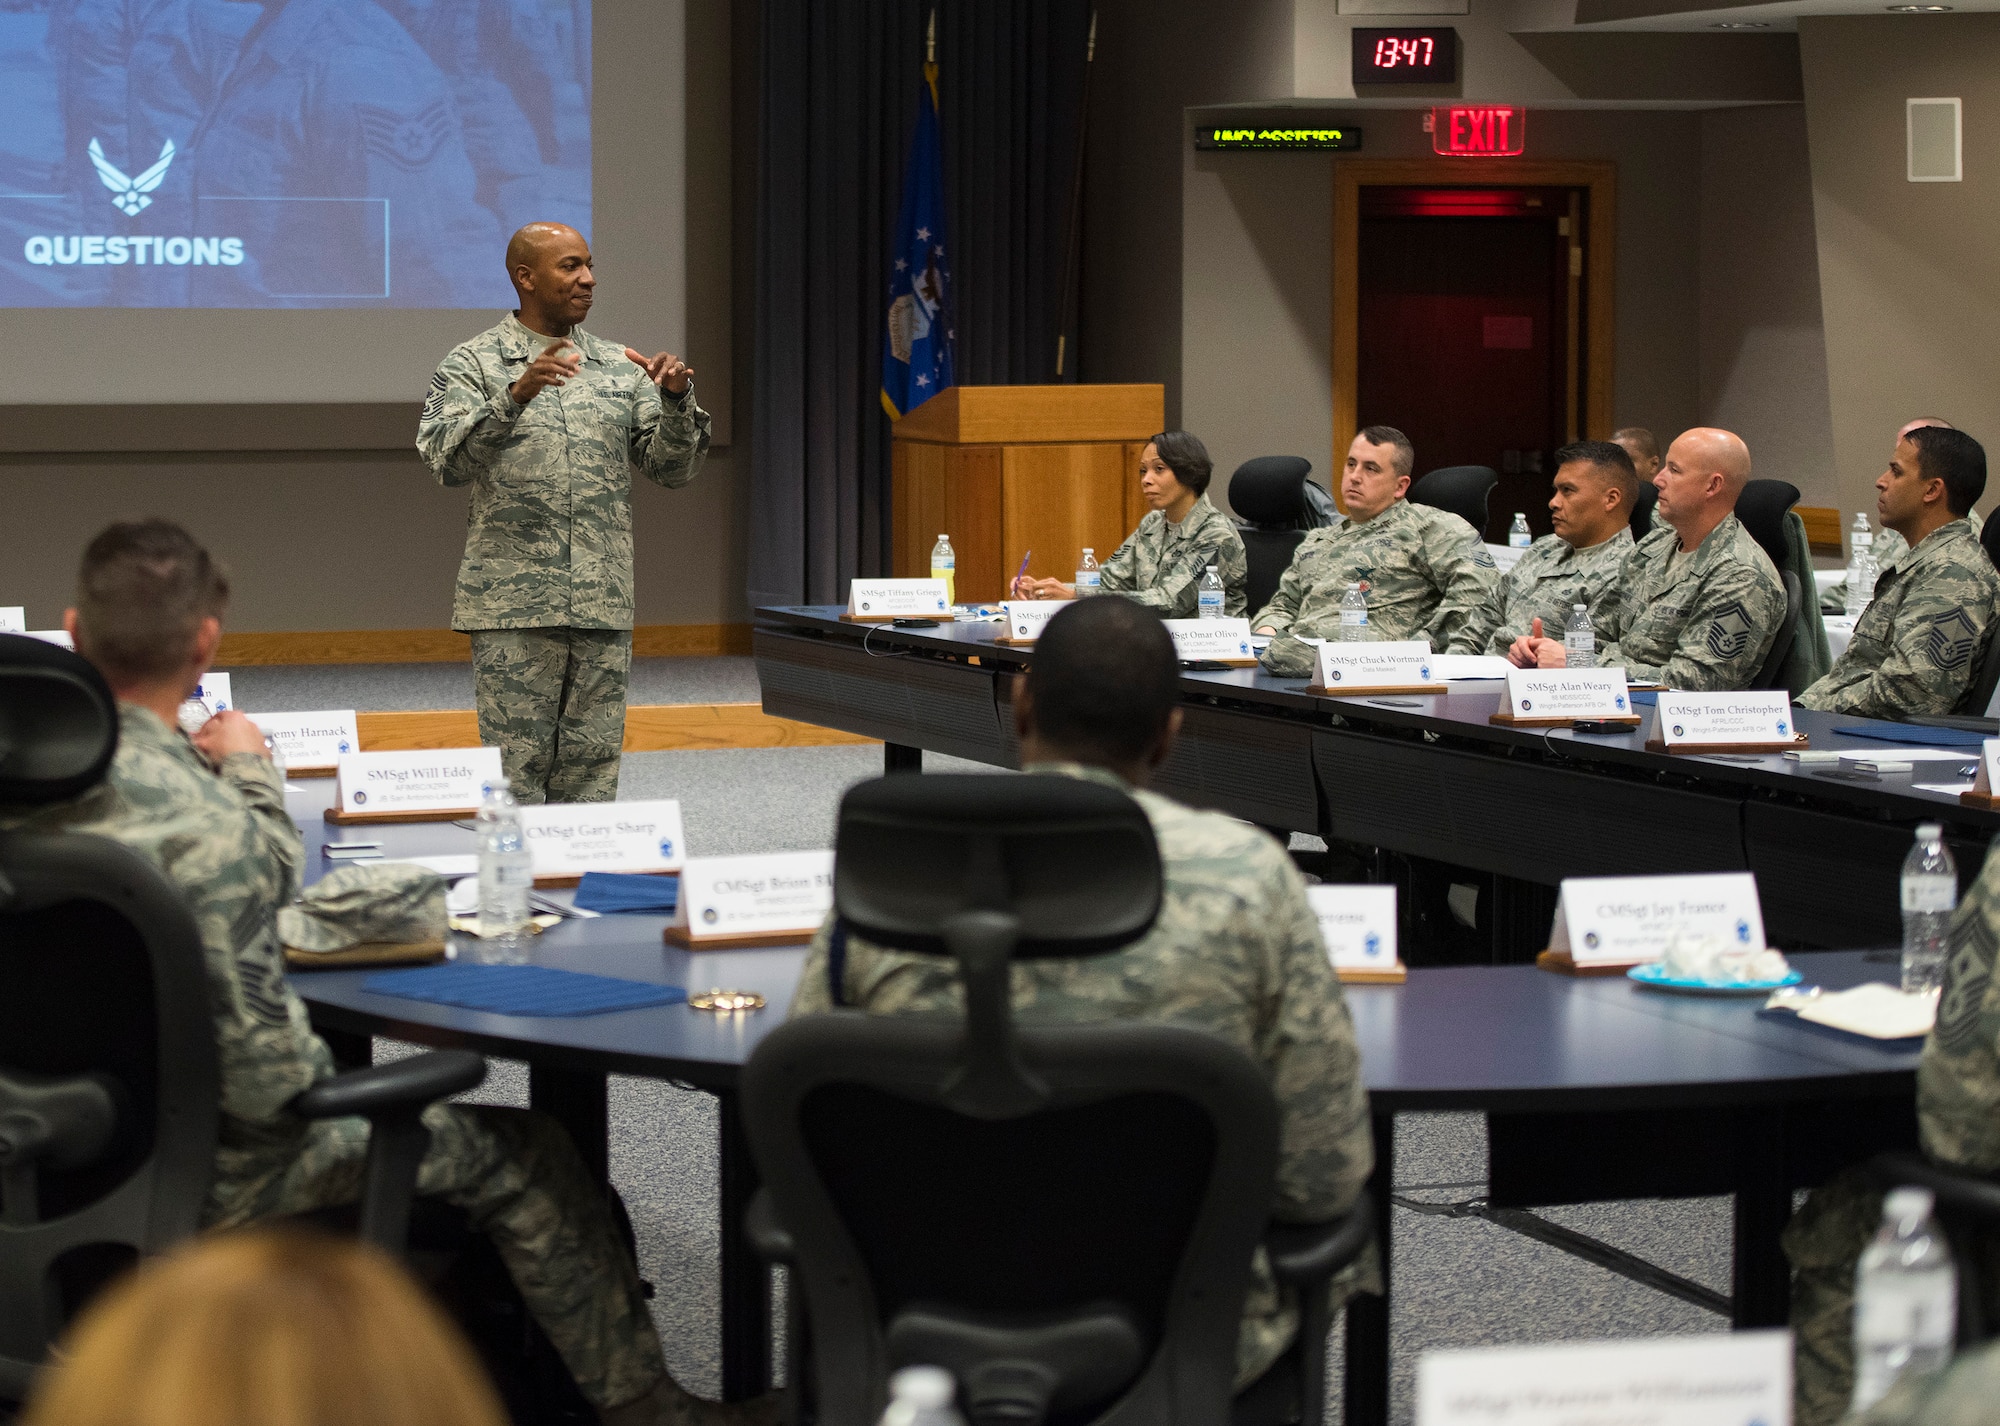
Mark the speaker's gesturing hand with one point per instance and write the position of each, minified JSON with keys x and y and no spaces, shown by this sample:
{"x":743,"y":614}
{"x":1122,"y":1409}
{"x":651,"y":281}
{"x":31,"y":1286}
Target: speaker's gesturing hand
{"x":664,"y":370}
{"x":558,"y":362}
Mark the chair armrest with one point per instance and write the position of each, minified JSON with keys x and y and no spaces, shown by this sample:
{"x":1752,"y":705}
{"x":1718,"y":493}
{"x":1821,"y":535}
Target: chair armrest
{"x":1957,"y":1188}
{"x":760,"y":1224}
{"x":416,"y":1082}
{"x":1303,"y":1253}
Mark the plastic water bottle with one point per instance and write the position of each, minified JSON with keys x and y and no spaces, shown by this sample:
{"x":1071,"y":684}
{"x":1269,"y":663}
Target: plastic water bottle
{"x":1861,"y":569}
{"x":921,"y":1396}
{"x":1905,"y":1298}
{"x":1209,"y":595}
{"x":944,"y":566}
{"x":1353,"y":615}
{"x":1930,"y":895}
{"x":1088,"y":580}
{"x":1518,"y":534}
{"x":506,"y":870}
{"x":1579,"y":639}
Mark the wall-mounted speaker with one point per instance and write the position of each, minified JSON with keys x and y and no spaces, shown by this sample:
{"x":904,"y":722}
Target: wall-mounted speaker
{"x":1936,"y":138}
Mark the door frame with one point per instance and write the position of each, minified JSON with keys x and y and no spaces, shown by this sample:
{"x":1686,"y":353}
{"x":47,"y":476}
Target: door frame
{"x":1351,"y":175}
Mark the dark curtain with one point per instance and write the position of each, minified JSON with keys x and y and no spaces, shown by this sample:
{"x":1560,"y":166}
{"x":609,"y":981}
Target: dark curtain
{"x":838,"y":88}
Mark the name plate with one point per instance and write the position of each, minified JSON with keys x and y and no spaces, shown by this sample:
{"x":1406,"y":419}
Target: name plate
{"x":1628,"y":920}
{"x":764,"y":900}
{"x":567,"y":839}
{"x":1660,"y":1381}
{"x":1399,"y":667}
{"x":897,"y":599}
{"x":59,"y":637}
{"x":424,"y":785}
{"x":213,"y":691}
{"x":1556,"y":695}
{"x":1025,"y":617}
{"x":13,"y":619}
{"x":311,"y":742}
{"x":1358,"y":926}
{"x":1980,"y":794}
{"x":1212,"y":640}
{"x":1725,"y":720}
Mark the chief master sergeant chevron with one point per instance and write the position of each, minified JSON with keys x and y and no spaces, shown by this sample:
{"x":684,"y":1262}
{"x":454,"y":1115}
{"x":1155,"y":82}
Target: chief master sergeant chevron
{"x":545,"y":422}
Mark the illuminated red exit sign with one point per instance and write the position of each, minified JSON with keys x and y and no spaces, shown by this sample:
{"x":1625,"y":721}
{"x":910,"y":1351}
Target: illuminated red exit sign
{"x":1479,"y":130}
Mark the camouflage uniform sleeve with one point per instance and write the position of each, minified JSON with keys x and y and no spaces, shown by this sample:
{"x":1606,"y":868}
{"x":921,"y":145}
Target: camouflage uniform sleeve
{"x":669,"y":435}
{"x":463,"y":429}
{"x":1235,"y":563}
{"x":1175,"y":592}
{"x":1119,"y":573}
{"x":262,"y":787}
{"x":1292,"y":590}
{"x":1469,"y":582}
{"x":1934,"y":647}
{"x":812,"y":996}
{"x":1325,"y":1151}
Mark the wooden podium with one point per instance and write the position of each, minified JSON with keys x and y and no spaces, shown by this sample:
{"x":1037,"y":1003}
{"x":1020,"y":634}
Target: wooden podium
{"x":1006,"y":469}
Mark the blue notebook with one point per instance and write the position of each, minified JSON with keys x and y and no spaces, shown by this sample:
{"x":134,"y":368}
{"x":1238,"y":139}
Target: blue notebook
{"x":1917,"y":736}
{"x":521,"y":990}
{"x":612,"y":892}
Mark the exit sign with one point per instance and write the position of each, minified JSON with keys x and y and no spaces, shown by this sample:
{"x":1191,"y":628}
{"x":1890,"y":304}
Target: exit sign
{"x":1479,"y":130}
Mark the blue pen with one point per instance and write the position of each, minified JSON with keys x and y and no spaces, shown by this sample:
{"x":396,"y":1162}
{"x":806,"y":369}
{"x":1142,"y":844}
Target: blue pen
{"x":1021,"y":571}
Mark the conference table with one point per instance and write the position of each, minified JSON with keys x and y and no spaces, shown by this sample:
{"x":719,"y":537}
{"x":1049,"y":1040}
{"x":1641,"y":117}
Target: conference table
{"x":1592,"y":1088}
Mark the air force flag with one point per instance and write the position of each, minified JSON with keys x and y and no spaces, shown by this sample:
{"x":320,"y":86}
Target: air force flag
{"x":916,"y":358}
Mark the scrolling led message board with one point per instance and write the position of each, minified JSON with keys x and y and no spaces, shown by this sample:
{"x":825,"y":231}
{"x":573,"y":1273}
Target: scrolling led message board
{"x":1428,"y":56}
{"x":1210,"y":136}
{"x":1479,"y":130}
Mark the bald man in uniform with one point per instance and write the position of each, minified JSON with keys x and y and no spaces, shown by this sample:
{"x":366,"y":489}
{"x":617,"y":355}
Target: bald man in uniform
{"x":546,"y":422}
{"x":1701,"y":600}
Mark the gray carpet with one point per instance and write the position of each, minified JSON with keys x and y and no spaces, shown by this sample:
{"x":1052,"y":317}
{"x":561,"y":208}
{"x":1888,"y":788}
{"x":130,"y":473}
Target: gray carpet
{"x":1459,"y":1282}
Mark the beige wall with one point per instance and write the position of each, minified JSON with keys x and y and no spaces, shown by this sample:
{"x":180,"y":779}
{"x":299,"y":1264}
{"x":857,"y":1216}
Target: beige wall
{"x":1909,"y":273}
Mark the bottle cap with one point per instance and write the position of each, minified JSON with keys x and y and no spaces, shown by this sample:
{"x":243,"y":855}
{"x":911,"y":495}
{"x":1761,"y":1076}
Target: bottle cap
{"x":1929,"y":831}
{"x":1908,"y":1201}
{"x":1088,"y":549}
{"x":1578,"y":608}
{"x":927,"y":1388}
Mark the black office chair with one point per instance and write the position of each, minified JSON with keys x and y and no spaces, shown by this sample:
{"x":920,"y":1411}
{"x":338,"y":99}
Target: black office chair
{"x":1968,"y":1209}
{"x":1771,"y":672}
{"x":109,"y":1085}
{"x":1762,"y":507}
{"x":1642,"y":509}
{"x":1464,"y":490}
{"x":1269,"y":493}
{"x":1060,"y":1215}
{"x":1989,"y":538}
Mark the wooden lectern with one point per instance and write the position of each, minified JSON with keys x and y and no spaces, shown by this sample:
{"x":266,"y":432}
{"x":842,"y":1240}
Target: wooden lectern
{"x":1007,"y":469}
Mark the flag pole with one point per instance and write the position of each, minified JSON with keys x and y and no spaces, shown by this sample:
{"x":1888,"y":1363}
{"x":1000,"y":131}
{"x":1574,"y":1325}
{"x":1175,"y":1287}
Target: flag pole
{"x":1071,"y":256}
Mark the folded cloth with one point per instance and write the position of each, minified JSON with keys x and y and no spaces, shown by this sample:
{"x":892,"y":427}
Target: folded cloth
{"x":610,"y":891}
{"x":522,"y":990}
{"x":1917,"y":735}
{"x":367,"y":901}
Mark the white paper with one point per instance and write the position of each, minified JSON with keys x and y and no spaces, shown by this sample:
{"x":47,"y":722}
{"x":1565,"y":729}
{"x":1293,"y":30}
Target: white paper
{"x":420,"y":780}
{"x":1893,"y":754}
{"x":770,"y":893}
{"x":898,"y":598}
{"x":1628,"y":920}
{"x":1360,"y":666}
{"x":571,"y":838}
{"x":463,"y":864}
{"x":311,"y":740}
{"x":1720,"y":1379}
{"x":1692,"y":719}
{"x":13,"y":619}
{"x":1210,"y":638}
{"x":1357,"y":924}
{"x":1568,"y":693}
{"x":59,"y":637}
{"x":1025,"y":617}
{"x":1881,"y":1012}
{"x":1452,"y":667}
{"x":1950,"y":789}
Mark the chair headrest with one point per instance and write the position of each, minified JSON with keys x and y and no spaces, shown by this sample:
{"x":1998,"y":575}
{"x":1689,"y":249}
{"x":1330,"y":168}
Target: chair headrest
{"x":1642,"y":509}
{"x":1464,"y":490}
{"x":1270,"y":490}
{"x":1761,"y":507}
{"x":58,"y":722}
{"x":1075,"y":861}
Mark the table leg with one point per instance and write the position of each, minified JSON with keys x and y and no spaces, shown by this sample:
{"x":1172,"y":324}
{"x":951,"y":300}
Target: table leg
{"x":575,"y":1099}
{"x":900,"y":757}
{"x":1366,"y":1401}
{"x":746,"y":1278}
{"x":1760,"y":1278}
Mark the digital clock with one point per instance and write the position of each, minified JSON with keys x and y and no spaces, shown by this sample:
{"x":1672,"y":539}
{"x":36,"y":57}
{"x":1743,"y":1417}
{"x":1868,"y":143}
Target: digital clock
{"x":1406,"y":56}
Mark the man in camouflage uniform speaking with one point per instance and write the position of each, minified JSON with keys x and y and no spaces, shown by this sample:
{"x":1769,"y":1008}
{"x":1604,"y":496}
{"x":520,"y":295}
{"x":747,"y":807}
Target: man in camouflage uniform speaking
{"x":545,"y":422}
{"x":1917,"y":646}
{"x":209,"y":811}
{"x":1701,"y":601}
{"x":1235,"y":951}
{"x":1583,"y":562}
{"x":1427,"y":573}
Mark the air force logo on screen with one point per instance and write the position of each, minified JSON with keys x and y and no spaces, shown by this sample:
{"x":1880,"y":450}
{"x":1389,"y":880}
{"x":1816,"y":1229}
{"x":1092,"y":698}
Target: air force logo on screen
{"x":129,"y":194}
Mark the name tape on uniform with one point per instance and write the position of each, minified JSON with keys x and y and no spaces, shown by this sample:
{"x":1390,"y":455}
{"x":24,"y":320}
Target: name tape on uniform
{"x":1358,"y":925}
{"x":1026,"y":617}
{"x":1210,"y":639}
{"x":213,"y":692}
{"x":1363,"y":666}
{"x":780,"y":895}
{"x":1698,"y":719}
{"x":1568,"y":693}
{"x":897,"y":599}
{"x":1628,"y":920}
{"x":571,"y":838}
{"x":422,"y":780}
{"x":13,"y":619}
{"x":311,"y":741}
{"x":1661,"y":1381}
